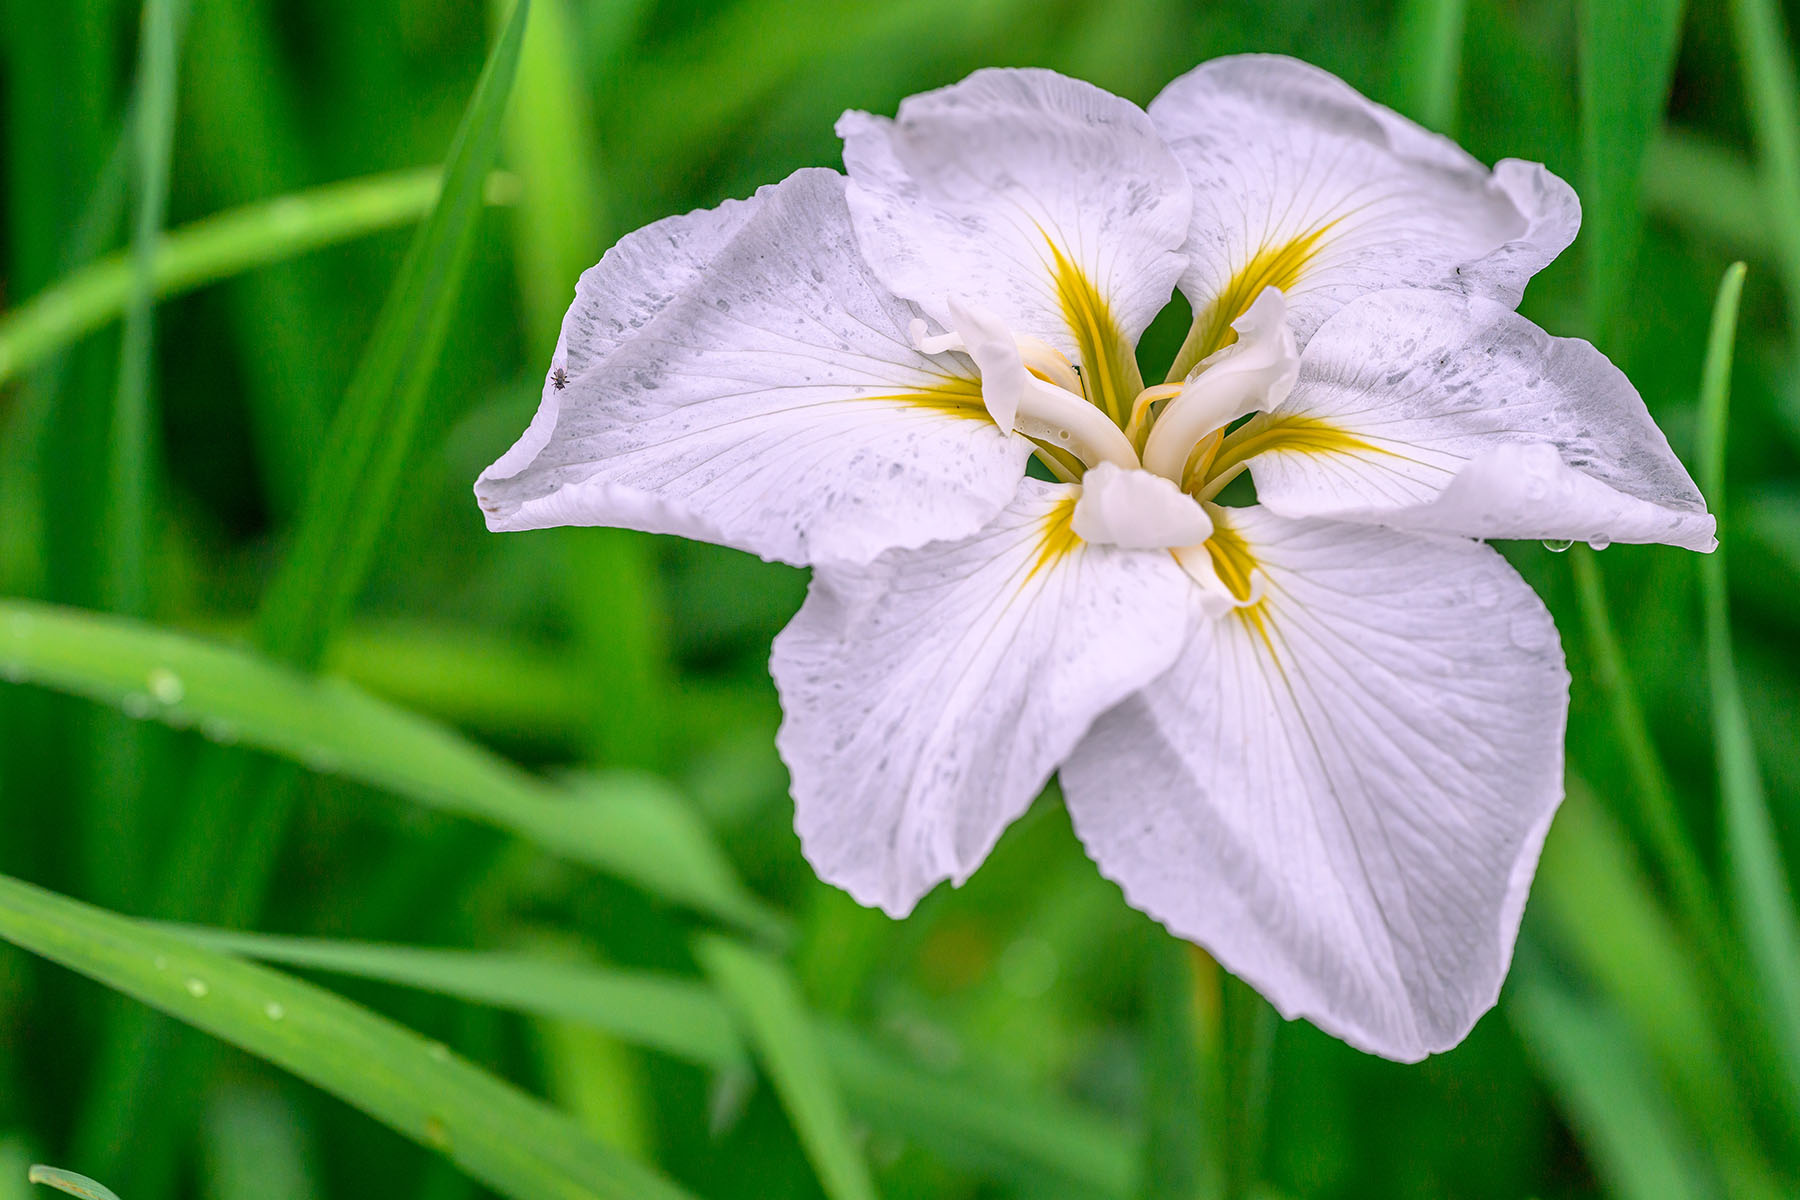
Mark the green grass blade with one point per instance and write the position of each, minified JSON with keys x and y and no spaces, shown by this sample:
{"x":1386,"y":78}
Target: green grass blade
{"x":1183,"y":1145}
{"x":351,"y":496}
{"x":974,"y":1120}
{"x":1652,"y":795}
{"x":1627,"y":62}
{"x":1756,"y":878}
{"x":1429,"y":54}
{"x":766,"y":1001}
{"x":965,"y":1117}
{"x":508,"y":1140}
{"x":257,"y":1145}
{"x":1710,"y":190}
{"x":218,"y":247}
{"x":677,"y":1016}
{"x":70,"y":1182}
{"x":221,"y":854}
{"x":1772,"y":103}
{"x":128,"y":459}
{"x":628,"y":825}
{"x":560,"y":223}
{"x":1608,"y":1090}
{"x":611,"y":589}
{"x":1604,"y":917}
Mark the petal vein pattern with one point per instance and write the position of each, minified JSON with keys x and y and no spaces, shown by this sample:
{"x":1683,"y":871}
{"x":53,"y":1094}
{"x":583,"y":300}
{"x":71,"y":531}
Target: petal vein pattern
{"x":740,"y":377}
{"x":1341,"y":791}
{"x":1453,"y":414}
{"x":1302,"y":184}
{"x":1045,"y":199}
{"x":928,"y":696}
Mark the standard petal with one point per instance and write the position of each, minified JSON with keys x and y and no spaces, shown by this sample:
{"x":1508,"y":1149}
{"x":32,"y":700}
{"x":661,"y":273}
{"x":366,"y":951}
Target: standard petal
{"x":741,"y":377}
{"x":1341,"y":790}
{"x":928,"y":696}
{"x":1046,"y":199}
{"x":1303,"y":184}
{"x":1452,"y":414}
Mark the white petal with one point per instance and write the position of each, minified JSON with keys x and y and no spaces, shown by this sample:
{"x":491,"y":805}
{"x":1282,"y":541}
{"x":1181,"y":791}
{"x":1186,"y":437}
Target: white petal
{"x":1137,"y":511}
{"x":1303,"y":184}
{"x":739,"y":376}
{"x":1342,"y":790}
{"x":1456,"y":415}
{"x":975,"y":188}
{"x":929,"y":695}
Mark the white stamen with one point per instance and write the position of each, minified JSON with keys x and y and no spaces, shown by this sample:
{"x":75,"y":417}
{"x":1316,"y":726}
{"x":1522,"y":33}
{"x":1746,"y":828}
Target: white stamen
{"x":1216,"y":599}
{"x":1255,"y":372}
{"x":1136,"y":510}
{"x":941,"y":343}
{"x":1019,"y":400}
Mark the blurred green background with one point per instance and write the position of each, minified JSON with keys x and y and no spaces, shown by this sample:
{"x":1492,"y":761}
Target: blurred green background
{"x":550,"y":756}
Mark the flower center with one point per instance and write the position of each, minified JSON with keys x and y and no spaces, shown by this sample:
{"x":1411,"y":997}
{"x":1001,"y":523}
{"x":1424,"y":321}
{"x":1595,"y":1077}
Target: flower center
{"x":1029,"y":387}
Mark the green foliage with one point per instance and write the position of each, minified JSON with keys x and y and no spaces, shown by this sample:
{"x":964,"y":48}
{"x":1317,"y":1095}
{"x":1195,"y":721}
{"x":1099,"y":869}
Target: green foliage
{"x":419,"y":1088}
{"x":519,"y":794}
{"x":70,"y":1182}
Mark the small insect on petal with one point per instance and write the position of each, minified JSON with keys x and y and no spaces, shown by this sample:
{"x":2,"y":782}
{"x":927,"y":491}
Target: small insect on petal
{"x":559,"y":379}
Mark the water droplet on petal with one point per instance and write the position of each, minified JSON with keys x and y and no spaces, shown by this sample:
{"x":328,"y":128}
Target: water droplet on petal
{"x":197,"y":988}
{"x":166,"y":687}
{"x":1599,"y":542}
{"x":1558,"y":545}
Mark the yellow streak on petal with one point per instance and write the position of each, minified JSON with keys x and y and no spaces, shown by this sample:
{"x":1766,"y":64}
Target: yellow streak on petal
{"x":1232,"y":559}
{"x":956,"y":396}
{"x":1279,"y":265}
{"x":1293,"y":432}
{"x":1109,"y":367}
{"x":1058,"y":539}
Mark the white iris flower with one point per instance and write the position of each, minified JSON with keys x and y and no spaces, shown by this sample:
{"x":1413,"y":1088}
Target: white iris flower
{"x":1320,"y":736}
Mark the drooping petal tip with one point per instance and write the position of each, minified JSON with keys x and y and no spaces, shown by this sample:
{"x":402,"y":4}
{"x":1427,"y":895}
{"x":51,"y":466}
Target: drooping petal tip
{"x":1341,"y":791}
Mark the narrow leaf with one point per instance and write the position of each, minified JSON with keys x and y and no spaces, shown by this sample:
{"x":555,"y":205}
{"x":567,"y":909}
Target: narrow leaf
{"x":768,"y":1004}
{"x":628,"y":825}
{"x":976,"y":1119}
{"x":352,"y":494}
{"x":1772,"y":104}
{"x":129,"y":442}
{"x":218,"y":247}
{"x":1652,"y":796}
{"x":70,"y":1182}
{"x":1603,"y":915}
{"x":1608,"y":1090}
{"x":662,"y":1012}
{"x":1710,"y":190}
{"x":500,"y":1136}
{"x":964,"y":1116}
{"x":257,"y":1144}
{"x":1627,"y":62}
{"x":1183,"y":1147}
{"x":1430,"y":59}
{"x":1756,"y":879}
